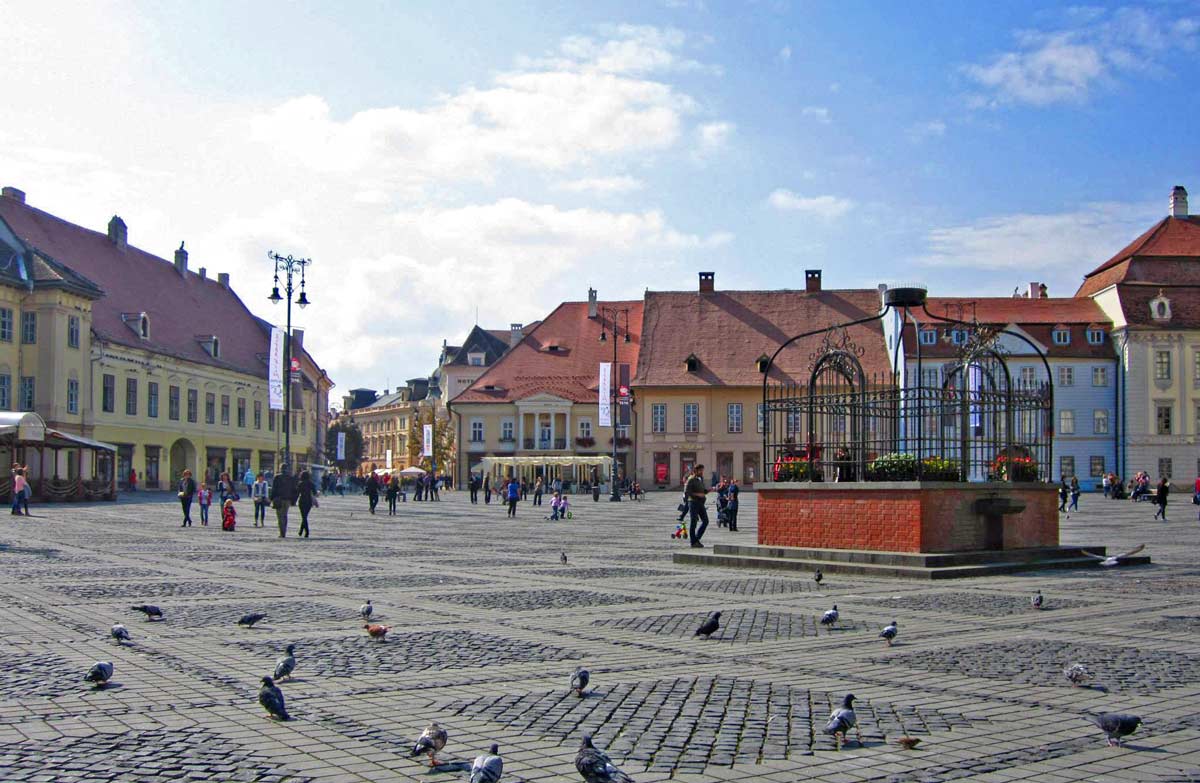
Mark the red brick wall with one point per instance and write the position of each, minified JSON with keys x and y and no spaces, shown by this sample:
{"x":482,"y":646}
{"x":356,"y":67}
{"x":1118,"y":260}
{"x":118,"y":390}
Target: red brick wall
{"x":909,"y":518}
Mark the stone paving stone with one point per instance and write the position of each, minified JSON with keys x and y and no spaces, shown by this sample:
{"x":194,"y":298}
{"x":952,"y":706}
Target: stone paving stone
{"x":747,"y":586}
{"x":400,"y":581}
{"x":532,"y":600}
{"x":977,"y":604}
{"x":737,"y":625}
{"x":599,"y":572}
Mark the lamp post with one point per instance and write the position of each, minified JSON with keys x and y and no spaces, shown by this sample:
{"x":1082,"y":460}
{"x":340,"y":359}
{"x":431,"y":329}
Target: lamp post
{"x":290,"y":267}
{"x":613,"y":313}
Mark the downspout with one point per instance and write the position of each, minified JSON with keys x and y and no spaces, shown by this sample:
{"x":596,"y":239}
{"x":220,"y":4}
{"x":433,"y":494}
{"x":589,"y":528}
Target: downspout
{"x":1121,"y":394}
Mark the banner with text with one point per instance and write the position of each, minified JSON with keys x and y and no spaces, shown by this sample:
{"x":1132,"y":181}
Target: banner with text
{"x":275,"y":373}
{"x":341,"y":447}
{"x":427,"y":446}
{"x":388,"y":458}
{"x":604,"y":389}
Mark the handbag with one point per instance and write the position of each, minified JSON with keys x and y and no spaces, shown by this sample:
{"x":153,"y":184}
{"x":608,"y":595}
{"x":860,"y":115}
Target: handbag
{"x":681,"y":508}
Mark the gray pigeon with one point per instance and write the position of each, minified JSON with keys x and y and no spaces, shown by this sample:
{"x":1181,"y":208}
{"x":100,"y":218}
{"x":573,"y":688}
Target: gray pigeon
{"x":1036,"y":600}
{"x":1116,"y":725}
{"x":151,"y":612}
{"x":579,"y":680}
{"x":287,"y":664}
{"x":120,"y":633}
{"x":366,"y":610}
{"x":709,"y":626}
{"x":271,"y":698}
{"x":595,"y":766}
{"x":842,"y":719}
{"x":1078,"y":674}
{"x":889,"y":633}
{"x":249,"y":620}
{"x":830,"y":618}
{"x":100,"y":673}
{"x":818,"y":577}
{"x":564,"y":558}
{"x":431,"y":741}
{"x":488,"y":768}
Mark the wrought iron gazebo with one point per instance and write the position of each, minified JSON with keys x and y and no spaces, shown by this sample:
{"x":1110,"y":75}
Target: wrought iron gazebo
{"x":959,"y":419}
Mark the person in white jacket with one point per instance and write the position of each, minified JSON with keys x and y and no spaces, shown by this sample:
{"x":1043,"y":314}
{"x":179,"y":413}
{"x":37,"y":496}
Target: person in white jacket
{"x":259,"y":493}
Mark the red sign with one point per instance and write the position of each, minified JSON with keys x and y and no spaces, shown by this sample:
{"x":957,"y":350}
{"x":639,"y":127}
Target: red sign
{"x":295,"y":364}
{"x":660,"y":472}
{"x":623,"y":391}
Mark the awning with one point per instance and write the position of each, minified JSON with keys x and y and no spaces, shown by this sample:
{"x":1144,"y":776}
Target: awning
{"x":489,"y":462}
{"x":61,"y":439}
{"x":413,"y":471}
{"x":27,"y":427}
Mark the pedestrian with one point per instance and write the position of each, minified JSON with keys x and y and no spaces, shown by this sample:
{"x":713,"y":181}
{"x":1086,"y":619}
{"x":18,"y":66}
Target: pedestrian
{"x":419,"y":488}
{"x":187,"y":491}
{"x":513,"y":495}
{"x":283,"y":495}
{"x":1106,"y":483}
{"x":228,"y":516}
{"x":305,"y":499}
{"x":434,"y":484}
{"x":133,"y":480}
{"x":372,"y":491}
{"x":1160,"y":499}
{"x":225,"y":489}
{"x":697,"y":493}
{"x":259,"y":492}
{"x":539,"y":489}
{"x":393,"y":490}
{"x":1196,"y":492}
{"x":732,"y":506}
{"x":1075,"y":491}
{"x":204,"y":497}
{"x":524,"y":489}
{"x":487,"y":488}
{"x":473,"y":486}
{"x":18,"y":490}
{"x":248,"y":480}
{"x":1063,"y":493}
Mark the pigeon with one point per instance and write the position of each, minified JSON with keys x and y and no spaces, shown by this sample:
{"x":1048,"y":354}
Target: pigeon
{"x":431,"y":741}
{"x":378,"y":631}
{"x":889,"y":633}
{"x":366,"y":610}
{"x":1113,"y":560}
{"x":842,"y":720}
{"x":564,"y":558}
{"x":249,"y":620}
{"x":579,"y":680}
{"x":99,"y":674}
{"x":830,"y":618}
{"x":595,"y":766}
{"x":1078,"y":674}
{"x":287,"y":664}
{"x":151,"y":612}
{"x":709,"y":626}
{"x":1116,"y":725}
{"x":489,"y":767}
{"x":1036,"y":600}
{"x":271,"y":698}
{"x":908,"y":743}
{"x":818,"y":577}
{"x":120,"y":633}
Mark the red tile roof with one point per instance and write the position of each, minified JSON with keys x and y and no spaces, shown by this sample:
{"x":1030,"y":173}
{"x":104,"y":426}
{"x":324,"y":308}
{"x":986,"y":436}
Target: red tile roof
{"x":729,"y":330}
{"x":572,"y":370}
{"x":1184,"y":299}
{"x":1171,"y":237}
{"x":1038,"y":318}
{"x":179,"y":307}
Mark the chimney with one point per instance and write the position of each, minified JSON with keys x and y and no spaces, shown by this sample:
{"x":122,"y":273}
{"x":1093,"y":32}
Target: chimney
{"x":515,"y":333}
{"x":298,"y":339}
{"x":180,"y":259}
{"x":118,"y":234}
{"x":16,"y":194}
{"x":223,"y":278}
{"x":1179,"y":207}
{"x":1043,"y":291}
{"x":812,"y":280}
{"x":707,"y":282}
{"x":203,"y":273}
{"x":1034,"y":292}
{"x":593,"y":309}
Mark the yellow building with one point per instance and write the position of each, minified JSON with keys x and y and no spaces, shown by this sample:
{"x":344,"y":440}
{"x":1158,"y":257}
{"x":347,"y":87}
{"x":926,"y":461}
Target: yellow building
{"x":384,"y":422}
{"x":168,"y":365}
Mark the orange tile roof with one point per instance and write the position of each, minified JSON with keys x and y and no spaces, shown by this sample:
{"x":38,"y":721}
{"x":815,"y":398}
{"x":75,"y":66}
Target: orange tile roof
{"x":1038,"y":318}
{"x":1171,"y":237}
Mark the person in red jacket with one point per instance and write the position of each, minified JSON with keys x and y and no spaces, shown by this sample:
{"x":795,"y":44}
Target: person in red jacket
{"x":228,"y":516}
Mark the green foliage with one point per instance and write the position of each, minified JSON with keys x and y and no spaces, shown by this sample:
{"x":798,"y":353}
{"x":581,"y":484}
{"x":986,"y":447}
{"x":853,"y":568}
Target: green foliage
{"x":354,"y":444}
{"x":903,"y":467}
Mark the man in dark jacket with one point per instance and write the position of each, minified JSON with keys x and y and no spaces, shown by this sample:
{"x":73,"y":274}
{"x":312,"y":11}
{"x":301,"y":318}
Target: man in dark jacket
{"x":696,"y":494}
{"x":283,"y":496}
{"x":187,"y":491}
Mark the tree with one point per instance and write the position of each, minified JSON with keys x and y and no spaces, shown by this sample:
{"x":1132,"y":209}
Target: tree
{"x":443,"y":441}
{"x":354,"y":444}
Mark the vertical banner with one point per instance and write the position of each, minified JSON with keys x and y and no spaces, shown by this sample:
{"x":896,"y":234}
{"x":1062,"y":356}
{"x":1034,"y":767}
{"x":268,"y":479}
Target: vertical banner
{"x":341,"y":447}
{"x":388,"y":458}
{"x":604,"y":389}
{"x":427,"y":446}
{"x":275,"y":371}
{"x":624,"y":395}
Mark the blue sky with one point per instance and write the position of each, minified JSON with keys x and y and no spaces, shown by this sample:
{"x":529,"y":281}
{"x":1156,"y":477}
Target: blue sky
{"x":439,"y":159}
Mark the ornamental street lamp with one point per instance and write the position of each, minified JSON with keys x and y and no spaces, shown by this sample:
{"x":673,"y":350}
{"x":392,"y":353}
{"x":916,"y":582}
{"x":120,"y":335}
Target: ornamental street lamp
{"x":613,"y":314}
{"x":289,"y":266}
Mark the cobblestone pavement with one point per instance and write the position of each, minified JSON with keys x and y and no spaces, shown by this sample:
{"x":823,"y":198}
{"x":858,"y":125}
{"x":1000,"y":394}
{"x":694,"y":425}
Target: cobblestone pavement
{"x":487,"y":626}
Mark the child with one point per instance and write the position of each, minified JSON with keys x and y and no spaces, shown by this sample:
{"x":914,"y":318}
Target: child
{"x":229,"y":516}
{"x":558,"y":506}
{"x":204,"y":496}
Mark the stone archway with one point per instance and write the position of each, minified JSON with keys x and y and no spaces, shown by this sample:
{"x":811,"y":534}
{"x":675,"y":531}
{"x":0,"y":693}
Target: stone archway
{"x":183,"y":455}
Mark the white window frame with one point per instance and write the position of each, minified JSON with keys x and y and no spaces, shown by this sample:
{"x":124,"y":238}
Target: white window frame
{"x":1066,"y":422}
{"x":928,"y":337}
{"x":958,"y":336}
{"x":1028,"y":375}
{"x":72,"y":395}
{"x":691,"y":417}
{"x":585,"y":428}
{"x":1162,"y":371}
{"x":476,"y":359}
{"x":1066,"y":375}
{"x":478,"y":433}
{"x":658,"y":417}
{"x":1100,"y":376}
{"x":1095,"y":336}
{"x":508,"y":430}
{"x":1061,"y":336}
{"x":733,"y":417}
{"x":1100,"y":421}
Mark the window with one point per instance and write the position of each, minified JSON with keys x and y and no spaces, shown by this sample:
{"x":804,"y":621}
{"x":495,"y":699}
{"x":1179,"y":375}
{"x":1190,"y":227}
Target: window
{"x":928,"y":337}
{"x":173,"y":403}
{"x":1066,"y":422}
{"x":1028,"y":376}
{"x":72,"y":395}
{"x":108,"y":393}
{"x":29,"y":328}
{"x":760,"y":424}
{"x":1062,"y":336}
{"x":691,"y":417}
{"x":1162,"y":365}
{"x":131,"y":396}
{"x":152,"y":399}
{"x":585,"y":428}
{"x":258,"y":414}
{"x":6,"y":324}
{"x":958,"y":336}
{"x":72,"y":331}
{"x":1096,"y":466}
{"x":477,"y":431}
{"x":1100,"y":421}
{"x":733,"y":416}
{"x":6,"y":392}
{"x":506,"y":431}
{"x":1066,"y":376}
{"x":303,"y":424}
{"x":475,"y":359}
{"x":1095,"y":337}
{"x":1164,"y":468}
{"x":225,"y":410}
{"x":26,"y":392}
{"x":1066,"y":467}
{"x":210,"y":408}
{"x":1099,"y":376}
{"x":658,"y":417}
{"x":193,"y":403}
{"x":622,"y":432}
{"x":270,"y":421}
{"x":1162,"y":419}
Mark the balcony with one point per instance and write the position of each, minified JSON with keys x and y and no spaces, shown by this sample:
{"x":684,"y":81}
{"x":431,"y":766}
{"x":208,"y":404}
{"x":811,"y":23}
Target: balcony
{"x":545,"y":444}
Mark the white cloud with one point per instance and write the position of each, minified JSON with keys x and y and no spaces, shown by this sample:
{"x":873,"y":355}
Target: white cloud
{"x":603,"y":186}
{"x":818,"y":113}
{"x":824,"y":207}
{"x":1063,"y":66}
{"x":713,"y":136}
{"x":785,"y":54}
{"x":930,"y":129}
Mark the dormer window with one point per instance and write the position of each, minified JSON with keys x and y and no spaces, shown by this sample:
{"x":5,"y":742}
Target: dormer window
{"x":928,"y":337}
{"x":691,"y":363}
{"x":1061,"y":335}
{"x":1160,"y":307}
{"x":762,"y":363}
{"x":958,"y":336}
{"x":475,"y":359}
{"x":139,"y":323}
{"x":1095,"y":335}
{"x":144,"y":326}
{"x":211,"y":345}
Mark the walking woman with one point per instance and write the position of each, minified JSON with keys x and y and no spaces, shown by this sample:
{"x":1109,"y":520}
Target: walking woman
{"x":1160,"y":499}
{"x":487,"y":488}
{"x":305,"y":500}
{"x":393,"y":491}
{"x":372,"y":490}
{"x":225,"y":489}
{"x":18,"y":490}
{"x":513,"y":493}
{"x":259,"y":492}
{"x":187,"y":491}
